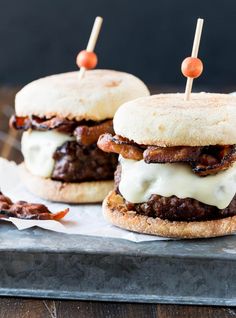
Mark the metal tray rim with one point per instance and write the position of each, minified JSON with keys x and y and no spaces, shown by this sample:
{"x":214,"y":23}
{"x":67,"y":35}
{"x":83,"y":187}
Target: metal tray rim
{"x":187,"y":300}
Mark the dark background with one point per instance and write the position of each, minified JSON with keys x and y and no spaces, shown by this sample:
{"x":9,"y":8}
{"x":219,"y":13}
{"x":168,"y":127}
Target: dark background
{"x":148,"y":38}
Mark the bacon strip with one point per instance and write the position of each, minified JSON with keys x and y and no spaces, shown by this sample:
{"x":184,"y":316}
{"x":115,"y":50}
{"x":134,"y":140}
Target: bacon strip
{"x":87,"y":136}
{"x":108,"y":143}
{"x":203,"y":160}
{"x":61,"y":124}
{"x":19,"y":123}
{"x":29,"y":211}
{"x":53,"y":216}
{"x":171,"y":154}
{"x":42,"y":124}
{"x":215,"y":159}
{"x":86,"y":132}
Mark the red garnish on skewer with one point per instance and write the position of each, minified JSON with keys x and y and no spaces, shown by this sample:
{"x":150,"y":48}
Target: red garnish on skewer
{"x":87,"y":59}
{"x":192,"y":66}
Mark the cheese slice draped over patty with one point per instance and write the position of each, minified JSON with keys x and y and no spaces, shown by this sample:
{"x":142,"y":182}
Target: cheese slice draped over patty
{"x":38,"y":148}
{"x":140,"y":180}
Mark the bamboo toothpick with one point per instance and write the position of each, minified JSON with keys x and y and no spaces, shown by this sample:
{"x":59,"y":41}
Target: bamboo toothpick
{"x":195,"y":49}
{"x":92,"y":41}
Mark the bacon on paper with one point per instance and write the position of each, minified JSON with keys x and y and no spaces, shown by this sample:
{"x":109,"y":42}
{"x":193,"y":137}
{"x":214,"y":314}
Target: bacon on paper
{"x":28,"y":211}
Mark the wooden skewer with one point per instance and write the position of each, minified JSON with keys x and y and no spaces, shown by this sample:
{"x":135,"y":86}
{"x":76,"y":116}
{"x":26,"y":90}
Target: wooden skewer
{"x":195,"y":49}
{"x":92,"y":41}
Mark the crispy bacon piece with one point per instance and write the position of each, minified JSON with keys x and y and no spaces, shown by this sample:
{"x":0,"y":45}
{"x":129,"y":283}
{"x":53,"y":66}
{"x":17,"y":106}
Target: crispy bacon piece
{"x":87,"y":136}
{"x":171,"y":154}
{"x":86,"y":132}
{"x":214,"y":159}
{"x":203,"y":160}
{"x":61,"y":124}
{"x":19,"y":123}
{"x":29,"y":211}
{"x":122,"y":146}
{"x":43,"y":124}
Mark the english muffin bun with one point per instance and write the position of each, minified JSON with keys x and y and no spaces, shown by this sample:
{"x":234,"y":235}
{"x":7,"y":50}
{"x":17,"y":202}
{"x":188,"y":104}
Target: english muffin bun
{"x":81,"y":192}
{"x":168,"y":120}
{"x":96,"y":97}
{"x":115,"y":211}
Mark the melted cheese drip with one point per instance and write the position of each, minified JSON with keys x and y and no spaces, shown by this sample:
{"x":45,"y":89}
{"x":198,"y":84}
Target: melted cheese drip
{"x":140,"y":180}
{"x":38,"y":148}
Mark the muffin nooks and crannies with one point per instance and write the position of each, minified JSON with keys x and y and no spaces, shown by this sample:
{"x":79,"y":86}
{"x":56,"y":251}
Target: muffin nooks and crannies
{"x":177,"y":166}
{"x":62,"y":118}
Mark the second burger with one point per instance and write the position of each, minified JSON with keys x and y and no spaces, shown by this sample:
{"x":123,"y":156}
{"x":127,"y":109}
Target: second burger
{"x":62,"y":118}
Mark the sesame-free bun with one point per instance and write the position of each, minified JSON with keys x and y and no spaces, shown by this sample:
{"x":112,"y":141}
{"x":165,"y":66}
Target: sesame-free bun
{"x":115,"y":211}
{"x":169,"y":120}
{"x":96,"y":97}
{"x":48,"y":189}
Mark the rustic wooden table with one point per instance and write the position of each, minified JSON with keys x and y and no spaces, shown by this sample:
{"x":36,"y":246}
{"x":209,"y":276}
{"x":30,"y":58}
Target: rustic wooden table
{"x":37,"y":308}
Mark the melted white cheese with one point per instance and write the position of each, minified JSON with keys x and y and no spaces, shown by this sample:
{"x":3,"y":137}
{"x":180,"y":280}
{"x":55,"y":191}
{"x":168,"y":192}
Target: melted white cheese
{"x":140,"y":180}
{"x":38,"y":148}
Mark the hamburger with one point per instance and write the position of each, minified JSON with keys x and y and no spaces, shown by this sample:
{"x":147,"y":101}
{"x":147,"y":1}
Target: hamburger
{"x":177,"y":166}
{"x":62,"y":118}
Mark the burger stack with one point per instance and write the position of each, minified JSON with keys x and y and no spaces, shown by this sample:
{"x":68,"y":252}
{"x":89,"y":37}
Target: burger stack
{"x":177,"y":165}
{"x":62,"y":118}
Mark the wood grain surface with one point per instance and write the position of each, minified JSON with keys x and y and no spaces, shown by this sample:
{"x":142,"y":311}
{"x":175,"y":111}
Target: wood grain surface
{"x":33,"y":308}
{"x":38,"y":308}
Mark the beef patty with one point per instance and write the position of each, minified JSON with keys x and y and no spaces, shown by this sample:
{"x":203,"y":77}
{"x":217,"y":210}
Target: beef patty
{"x":77,"y":163}
{"x":175,"y":209}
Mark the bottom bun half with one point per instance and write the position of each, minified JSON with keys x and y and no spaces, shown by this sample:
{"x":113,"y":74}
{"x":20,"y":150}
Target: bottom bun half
{"x":115,"y":211}
{"x":83,"y":192}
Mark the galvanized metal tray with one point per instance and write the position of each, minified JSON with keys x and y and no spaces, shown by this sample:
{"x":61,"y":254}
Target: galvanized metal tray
{"x":38,"y":263}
